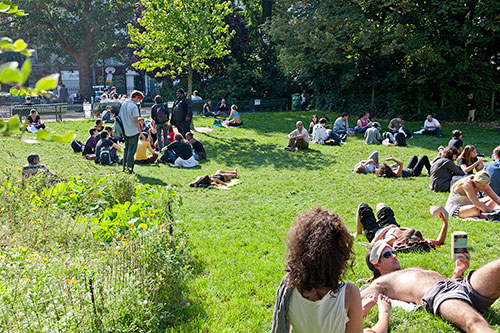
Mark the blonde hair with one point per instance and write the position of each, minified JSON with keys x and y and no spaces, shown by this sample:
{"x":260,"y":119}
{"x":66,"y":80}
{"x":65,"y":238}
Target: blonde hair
{"x":482,"y":177}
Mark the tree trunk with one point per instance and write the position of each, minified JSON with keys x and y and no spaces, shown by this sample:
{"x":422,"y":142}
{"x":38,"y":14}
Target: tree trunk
{"x":372,"y":103}
{"x":492,"y":102}
{"x":267,"y":6}
{"x":85,"y":76}
{"x":190,"y":82}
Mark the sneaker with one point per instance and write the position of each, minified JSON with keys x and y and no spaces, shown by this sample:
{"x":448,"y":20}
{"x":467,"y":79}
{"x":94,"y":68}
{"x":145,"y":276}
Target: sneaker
{"x":172,"y":165}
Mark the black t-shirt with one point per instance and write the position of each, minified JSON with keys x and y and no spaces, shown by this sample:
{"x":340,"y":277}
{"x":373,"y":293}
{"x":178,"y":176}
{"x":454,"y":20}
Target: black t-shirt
{"x":180,"y":149}
{"x":461,"y":161}
{"x":198,"y":146}
{"x":206,"y":109}
{"x":104,"y":143}
{"x":33,"y":121}
{"x":472,"y":103}
{"x":457,"y":143}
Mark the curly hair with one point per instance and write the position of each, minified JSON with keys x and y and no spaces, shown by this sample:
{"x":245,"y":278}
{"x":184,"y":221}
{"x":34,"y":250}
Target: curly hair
{"x":385,"y":171}
{"x":319,"y":250}
{"x":410,"y":235}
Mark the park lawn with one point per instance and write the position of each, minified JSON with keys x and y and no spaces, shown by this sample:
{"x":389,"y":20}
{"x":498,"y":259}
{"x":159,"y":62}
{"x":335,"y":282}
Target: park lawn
{"x":237,"y":236}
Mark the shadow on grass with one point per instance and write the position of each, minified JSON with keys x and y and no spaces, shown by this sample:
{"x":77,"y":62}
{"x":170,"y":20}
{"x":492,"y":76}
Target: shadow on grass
{"x":248,"y":152}
{"x":150,"y":180}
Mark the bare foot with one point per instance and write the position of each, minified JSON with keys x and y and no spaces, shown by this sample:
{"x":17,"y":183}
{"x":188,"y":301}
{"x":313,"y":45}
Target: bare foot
{"x":367,"y":303}
{"x":384,"y":305}
{"x":235,"y":170}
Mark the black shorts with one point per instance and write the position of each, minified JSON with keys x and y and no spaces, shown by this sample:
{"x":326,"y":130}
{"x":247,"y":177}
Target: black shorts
{"x":455,"y":289}
{"x":219,"y":177}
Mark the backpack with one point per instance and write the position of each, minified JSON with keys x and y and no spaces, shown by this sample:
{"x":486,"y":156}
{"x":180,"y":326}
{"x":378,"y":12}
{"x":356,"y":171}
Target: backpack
{"x":162,"y":114}
{"x":105,"y":157}
{"x":400,"y":139}
{"x":119,"y":129}
{"x":77,"y":146}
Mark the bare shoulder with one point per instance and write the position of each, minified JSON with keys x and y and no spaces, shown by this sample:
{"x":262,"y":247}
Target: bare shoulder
{"x":351,"y":290}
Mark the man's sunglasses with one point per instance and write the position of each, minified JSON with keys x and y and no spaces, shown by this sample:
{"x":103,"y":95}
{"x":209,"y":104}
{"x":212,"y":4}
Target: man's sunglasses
{"x":389,"y":254}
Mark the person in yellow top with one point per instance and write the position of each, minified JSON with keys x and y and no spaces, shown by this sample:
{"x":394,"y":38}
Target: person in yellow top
{"x":143,"y":146}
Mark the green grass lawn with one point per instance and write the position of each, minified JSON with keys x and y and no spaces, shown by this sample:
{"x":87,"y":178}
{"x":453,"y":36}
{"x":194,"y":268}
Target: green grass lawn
{"x":237,"y":236}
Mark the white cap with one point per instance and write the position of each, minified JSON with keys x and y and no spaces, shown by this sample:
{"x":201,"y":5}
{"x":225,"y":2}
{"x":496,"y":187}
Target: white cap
{"x":376,"y":251}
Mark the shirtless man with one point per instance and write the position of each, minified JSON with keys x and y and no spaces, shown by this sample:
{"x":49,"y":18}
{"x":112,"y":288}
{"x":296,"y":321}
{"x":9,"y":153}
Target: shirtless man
{"x":459,"y":301}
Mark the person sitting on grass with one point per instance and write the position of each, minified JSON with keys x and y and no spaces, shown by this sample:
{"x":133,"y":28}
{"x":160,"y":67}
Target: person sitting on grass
{"x":234,"y":119}
{"x":456,"y":140}
{"x":314,"y":121}
{"x":414,"y":168}
{"x":143,"y":146}
{"x":107,"y":143}
{"x":493,"y":169}
{"x":91,"y":143}
{"x":372,"y":135}
{"x":206,"y":109}
{"x":431,"y":127}
{"x":458,"y":300}
{"x":396,"y":124}
{"x":34,"y":120}
{"x":298,"y":138}
{"x":341,"y":124}
{"x":98,"y":125}
{"x":179,"y":152}
{"x":34,"y":167}
{"x":220,"y":178}
{"x":363,"y":122}
{"x":463,"y":201}
{"x":312,"y":296}
{"x":468,"y":160}
{"x":444,"y":170}
{"x":321,"y":135}
{"x":106,"y":115}
{"x":198,"y":149}
{"x":387,"y":229}
{"x":171,"y":133}
{"x":369,"y":165}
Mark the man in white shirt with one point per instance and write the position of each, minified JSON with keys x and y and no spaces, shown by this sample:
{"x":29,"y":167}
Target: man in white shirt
{"x":196,"y":96}
{"x":321,"y":135}
{"x":129,"y":114}
{"x":432,"y":127}
{"x":298,"y":138}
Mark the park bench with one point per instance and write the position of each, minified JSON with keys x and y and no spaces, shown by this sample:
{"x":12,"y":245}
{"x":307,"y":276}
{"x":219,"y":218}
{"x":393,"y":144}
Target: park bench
{"x":57,"y":110}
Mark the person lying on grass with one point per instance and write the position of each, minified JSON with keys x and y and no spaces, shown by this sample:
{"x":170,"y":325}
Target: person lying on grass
{"x":458,"y":300}
{"x":298,"y":138}
{"x":369,"y":165}
{"x":312,"y":296}
{"x":388,"y":230}
{"x":414,"y":168}
{"x":220,"y":178}
{"x":463,"y":201}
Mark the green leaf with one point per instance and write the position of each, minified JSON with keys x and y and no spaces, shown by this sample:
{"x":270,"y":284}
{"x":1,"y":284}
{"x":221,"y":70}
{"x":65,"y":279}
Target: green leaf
{"x":14,"y":91}
{"x":27,"y":52}
{"x":5,"y":40}
{"x":46,"y":83}
{"x":67,"y":138}
{"x":25,"y":70}
{"x":13,"y":9}
{"x":13,"y":124}
{"x":21,"y":13}
{"x":4,"y":7}
{"x":20,"y":45}
{"x":42,"y":135}
{"x":10,"y":73}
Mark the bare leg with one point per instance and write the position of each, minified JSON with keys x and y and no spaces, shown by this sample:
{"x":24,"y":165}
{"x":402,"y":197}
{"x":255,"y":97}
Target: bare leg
{"x":463,"y":315}
{"x":486,"y":279}
{"x":218,"y":182}
{"x":468,"y":211}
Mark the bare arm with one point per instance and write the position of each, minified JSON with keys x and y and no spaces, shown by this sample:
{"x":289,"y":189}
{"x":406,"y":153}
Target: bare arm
{"x":471,"y":194}
{"x":472,"y":166}
{"x":117,"y":147}
{"x":353,"y":309}
{"x":493,"y":196}
{"x":442,"y":234}
{"x":400,"y":166}
{"x":461,"y":265}
{"x":136,"y":121}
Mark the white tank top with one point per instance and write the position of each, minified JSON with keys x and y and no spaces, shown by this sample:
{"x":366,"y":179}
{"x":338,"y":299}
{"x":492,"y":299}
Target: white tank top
{"x":326,"y":315}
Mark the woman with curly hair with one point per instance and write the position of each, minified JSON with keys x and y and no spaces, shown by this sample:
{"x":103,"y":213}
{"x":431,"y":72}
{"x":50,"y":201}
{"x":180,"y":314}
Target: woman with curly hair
{"x":312,"y":296}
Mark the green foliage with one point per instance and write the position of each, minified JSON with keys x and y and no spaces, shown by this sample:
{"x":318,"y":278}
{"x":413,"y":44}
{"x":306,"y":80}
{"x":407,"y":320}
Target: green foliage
{"x":14,"y":127}
{"x":180,"y":35}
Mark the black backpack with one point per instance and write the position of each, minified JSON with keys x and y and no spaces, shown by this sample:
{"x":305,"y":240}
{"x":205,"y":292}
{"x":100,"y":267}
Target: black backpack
{"x":400,"y":139}
{"x":162,"y":113}
{"x":77,"y":146}
{"x":105,"y":157}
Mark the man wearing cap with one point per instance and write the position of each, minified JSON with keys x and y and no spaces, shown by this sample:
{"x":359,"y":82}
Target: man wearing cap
{"x":129,"y":114}
{"x":458,"y":300}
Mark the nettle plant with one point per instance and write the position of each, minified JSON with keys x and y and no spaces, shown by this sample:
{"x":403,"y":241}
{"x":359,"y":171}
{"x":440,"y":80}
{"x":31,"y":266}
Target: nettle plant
{"x":16,"y":77}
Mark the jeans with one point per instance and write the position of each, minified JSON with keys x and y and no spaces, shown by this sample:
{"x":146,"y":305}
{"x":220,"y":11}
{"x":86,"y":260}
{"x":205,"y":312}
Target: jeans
{"x":129,"y":152}
{"x":435,"y":131}
{"x":334,"y":137}
{"x":417,"y":167}
{"x":168,"y":155}
{"x":341,"y":131}
{"x":162,"y":132}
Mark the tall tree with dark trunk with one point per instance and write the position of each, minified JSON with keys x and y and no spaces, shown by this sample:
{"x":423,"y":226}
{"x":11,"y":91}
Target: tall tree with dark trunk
{"x":85,"y":30}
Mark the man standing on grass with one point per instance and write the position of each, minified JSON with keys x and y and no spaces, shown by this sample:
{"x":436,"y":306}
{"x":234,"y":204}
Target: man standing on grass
{"x":458,"y":300}
{"x":181,"y":113}
{"x":129,"y":114}
{"x":298,"y":138}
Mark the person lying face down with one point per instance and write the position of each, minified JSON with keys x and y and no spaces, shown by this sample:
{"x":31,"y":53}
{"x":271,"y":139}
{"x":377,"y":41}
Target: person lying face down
{"x":458,"y":300}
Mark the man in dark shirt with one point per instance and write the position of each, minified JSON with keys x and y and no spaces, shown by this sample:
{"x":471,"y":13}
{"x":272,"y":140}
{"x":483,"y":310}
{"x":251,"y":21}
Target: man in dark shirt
{"x":160,"y":114}
{"x":443,"y":169}
{"x":91,"y":142}
{"x":456,"y":140}
{"x":182,"y":113}
{"x":199,"y":150}
{"x":180,"y":148}
{"x":106,"y":143}
{"x":471,"y":103}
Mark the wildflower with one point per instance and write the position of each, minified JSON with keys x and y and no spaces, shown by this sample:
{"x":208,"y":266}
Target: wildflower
{"x":22,"y":248}
{"x":85,"y":267}
{"x":151,"y":214}
{"x":69,"y":280}
{"x":54,"y":230}
{"x":19,"y":169}
{"x":162,"y":231}
{"x":27,"y":279}
{"x":187,"y":266}
{"x":34,"y":209}
{"x":46,"y":259}
{"x":124,"y":243}
{"x":34,"y":221}
{"x":116,"y":252}
{"x":177,"y":246}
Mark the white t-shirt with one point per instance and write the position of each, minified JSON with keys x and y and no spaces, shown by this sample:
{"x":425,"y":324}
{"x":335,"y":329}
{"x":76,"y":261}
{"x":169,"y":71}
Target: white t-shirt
{"x":128,"y":111}
{"x":326,"y":315}
{"x":434,"y":122}
{"x":319,"y":134}
{"x":304,"y":133}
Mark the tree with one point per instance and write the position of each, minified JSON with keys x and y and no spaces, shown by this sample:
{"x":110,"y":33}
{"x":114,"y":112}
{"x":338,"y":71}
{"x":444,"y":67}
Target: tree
{"x":180,"y":36}
{"x":85,"y":30}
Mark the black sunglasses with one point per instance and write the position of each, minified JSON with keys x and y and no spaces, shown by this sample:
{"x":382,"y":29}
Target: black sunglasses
{"x":389,"y":254}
